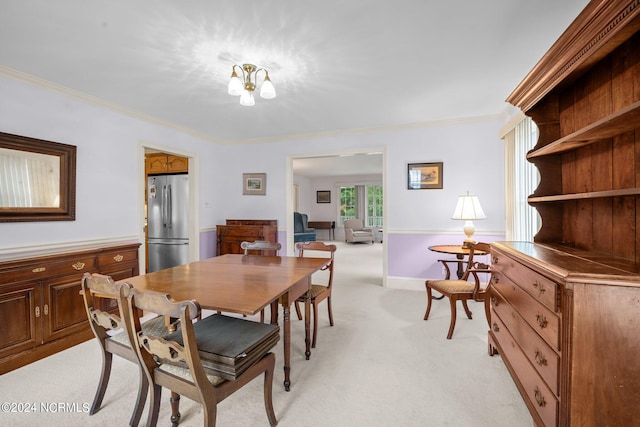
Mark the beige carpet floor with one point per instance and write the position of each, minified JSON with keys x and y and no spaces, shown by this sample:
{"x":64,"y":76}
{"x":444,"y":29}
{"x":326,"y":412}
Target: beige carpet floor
{"x":380,"y":365}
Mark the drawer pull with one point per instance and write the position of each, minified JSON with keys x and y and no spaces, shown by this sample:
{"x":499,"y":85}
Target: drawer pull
{"x":542,"y":321}
{"x":494,"y":259}
{"x":46,"y":309}
{"x":496,"y":328}
{"x":495,"y":279}
{"x":78,"y":266}
{"x":37,"y":312}
{"x":540,"y":287}
{"x":495,"y":301}
{"x":118,"y":258}
{"x":540,"y":359}
{"x":539,"y":398}
{"x":39,"y":270}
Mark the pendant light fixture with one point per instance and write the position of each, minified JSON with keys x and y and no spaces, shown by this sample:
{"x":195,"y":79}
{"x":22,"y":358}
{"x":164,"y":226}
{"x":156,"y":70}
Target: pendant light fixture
{"x":245,"y":86}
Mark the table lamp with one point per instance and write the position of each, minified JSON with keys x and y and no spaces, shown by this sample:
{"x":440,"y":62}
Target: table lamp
{"x":468,"y":209}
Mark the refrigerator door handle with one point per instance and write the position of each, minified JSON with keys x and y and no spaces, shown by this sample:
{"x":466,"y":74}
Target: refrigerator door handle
{"x":169,"y":207}
{"x":164,"y":206}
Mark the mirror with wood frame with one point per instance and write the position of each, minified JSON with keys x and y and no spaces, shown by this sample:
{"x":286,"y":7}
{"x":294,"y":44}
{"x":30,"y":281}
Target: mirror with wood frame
{"x":37,"y":179}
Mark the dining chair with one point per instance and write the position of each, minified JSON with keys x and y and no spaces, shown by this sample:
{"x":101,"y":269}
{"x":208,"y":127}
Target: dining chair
{"x":262,"y":247}
{"x":108,"y":330}
{"x":463,"y":289}
{"x":190,"y":363}
{"x":319,"y":291}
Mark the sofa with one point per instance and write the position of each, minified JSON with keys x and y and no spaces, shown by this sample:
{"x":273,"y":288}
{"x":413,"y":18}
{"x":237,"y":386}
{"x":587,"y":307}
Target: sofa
{"x":301,"y":231}
{"x":355,"y":232}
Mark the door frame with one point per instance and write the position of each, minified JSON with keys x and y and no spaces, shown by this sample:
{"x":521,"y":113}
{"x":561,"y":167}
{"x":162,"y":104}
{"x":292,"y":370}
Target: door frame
{"x":194,"y":197}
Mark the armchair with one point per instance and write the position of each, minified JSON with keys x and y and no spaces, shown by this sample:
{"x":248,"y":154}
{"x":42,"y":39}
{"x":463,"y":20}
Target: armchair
{"x":301,"y":231}
{"x":354,"y":231}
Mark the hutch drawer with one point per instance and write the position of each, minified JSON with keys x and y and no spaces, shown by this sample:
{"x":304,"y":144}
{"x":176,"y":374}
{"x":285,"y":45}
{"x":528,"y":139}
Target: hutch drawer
{"x":540,"y":354}
{"x":542,"y":320}
{"x":538,"y":396}
{"x":541,"y":288}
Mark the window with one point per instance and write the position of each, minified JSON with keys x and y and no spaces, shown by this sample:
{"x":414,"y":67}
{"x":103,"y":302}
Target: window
{"x":362,"y":201}
{"x":347,"y":203}
{"x":521,"y":179}
{"x":374,"y":206}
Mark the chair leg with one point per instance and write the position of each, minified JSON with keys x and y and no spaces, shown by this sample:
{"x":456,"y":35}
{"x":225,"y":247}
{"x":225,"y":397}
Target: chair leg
{"x":103,"y":382}
{"x":262,"y":316}
{"x":274,"y":312}
{"x":466,"y":308}
{"x":452,"y":325}
{"x":315,"y":323}
{"x":210,"y":410}
{"x":155,"y":393}
{"x":487,"y":309}
{"x":143,"y":390}
{"x":298,"y":312}
{"x":268,"y":391}
{"x":429,"y":298}
{"x":174,"y":400}
{"x":330,"y":311}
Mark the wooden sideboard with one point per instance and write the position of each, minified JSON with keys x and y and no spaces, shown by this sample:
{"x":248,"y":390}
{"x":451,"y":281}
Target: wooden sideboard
{"x":565,"y":309}
{"x":235,"y":231}
{"x":41,"y":309}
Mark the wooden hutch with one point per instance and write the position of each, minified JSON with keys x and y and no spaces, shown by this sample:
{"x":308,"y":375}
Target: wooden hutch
{"x":565,"y":309}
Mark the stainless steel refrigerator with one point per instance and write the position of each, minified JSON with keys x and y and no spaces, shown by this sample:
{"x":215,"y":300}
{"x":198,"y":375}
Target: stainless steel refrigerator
{"x":167,"y":221}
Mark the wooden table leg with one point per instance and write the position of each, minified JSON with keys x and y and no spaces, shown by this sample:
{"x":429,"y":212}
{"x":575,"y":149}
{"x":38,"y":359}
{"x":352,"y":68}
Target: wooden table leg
{"x":287,"y":344}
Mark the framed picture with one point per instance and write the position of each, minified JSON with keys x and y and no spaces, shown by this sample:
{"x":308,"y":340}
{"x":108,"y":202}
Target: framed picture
{"x":422,"y":176}
{"x":323,"y":196}
{"x":254,"y":184}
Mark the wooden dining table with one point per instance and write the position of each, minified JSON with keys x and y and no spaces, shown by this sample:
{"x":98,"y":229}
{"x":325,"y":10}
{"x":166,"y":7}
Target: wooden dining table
{"x":242,"y":284}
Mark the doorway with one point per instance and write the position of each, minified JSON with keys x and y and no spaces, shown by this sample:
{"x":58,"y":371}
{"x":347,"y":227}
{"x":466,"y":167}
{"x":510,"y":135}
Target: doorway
{"x":156,"y":162}
{"x":325,"y":172}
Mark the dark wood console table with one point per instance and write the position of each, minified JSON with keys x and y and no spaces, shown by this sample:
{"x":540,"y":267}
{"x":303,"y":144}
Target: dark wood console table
{"x":324,"y":225}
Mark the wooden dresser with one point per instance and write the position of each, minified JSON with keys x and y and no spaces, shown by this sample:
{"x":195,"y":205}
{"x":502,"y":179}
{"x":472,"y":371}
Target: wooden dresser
{"x":565,"y":309}
{"x":235,"y":231}
{"x":41,"y":309}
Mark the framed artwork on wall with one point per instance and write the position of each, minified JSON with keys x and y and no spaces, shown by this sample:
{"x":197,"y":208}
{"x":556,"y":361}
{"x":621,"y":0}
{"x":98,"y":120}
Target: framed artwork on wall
{"x":323,"y":196}
{"x":423,"y":176}
{"x":254,"y":184}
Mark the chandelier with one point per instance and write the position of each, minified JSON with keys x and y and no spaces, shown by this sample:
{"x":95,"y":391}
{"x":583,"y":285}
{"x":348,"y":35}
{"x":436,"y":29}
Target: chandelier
{"x":244,"y":87}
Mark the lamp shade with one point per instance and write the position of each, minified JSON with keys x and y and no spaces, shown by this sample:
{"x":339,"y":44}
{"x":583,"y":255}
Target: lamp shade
{"x":468,"y":208}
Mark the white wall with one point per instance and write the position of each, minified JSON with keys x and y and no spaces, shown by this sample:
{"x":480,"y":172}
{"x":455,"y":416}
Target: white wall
{"x":109,"y":170}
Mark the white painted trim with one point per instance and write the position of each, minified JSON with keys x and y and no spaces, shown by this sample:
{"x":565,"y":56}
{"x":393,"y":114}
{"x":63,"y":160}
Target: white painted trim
{"x":445,"y":232}
{"x":37,"y":250}
{"x":511,"y":124}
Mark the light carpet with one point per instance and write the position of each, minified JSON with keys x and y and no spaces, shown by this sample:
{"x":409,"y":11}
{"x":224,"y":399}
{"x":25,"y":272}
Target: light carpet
{"x":380,"y":365}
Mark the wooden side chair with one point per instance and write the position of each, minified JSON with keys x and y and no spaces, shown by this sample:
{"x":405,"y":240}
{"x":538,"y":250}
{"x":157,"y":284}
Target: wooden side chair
{"x":104,"y":324}
{"x":318,"y":292}
{"x":194,"y":361}
{"x":462,"y":289}
{"x":262,"y":247}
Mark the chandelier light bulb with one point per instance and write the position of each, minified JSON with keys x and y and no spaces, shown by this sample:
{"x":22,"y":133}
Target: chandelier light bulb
{"x":235,"y":87}
{"x":267,"y":91}
{"x":247,"y":99}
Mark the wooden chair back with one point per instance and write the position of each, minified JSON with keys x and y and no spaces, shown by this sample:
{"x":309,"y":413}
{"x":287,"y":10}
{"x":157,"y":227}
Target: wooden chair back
{"x":322,"y":247}
{"x":261,"y":246}
{"x":94,"y":286}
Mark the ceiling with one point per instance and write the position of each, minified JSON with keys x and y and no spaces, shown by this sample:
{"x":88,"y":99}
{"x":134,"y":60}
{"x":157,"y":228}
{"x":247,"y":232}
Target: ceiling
{"x":337,"y":66}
